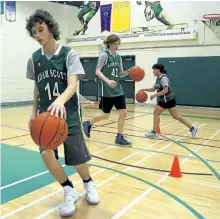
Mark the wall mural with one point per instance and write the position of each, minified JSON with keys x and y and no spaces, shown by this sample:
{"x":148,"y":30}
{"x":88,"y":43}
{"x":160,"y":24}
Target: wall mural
{"x":90,"y":9}
{"x":154,"y":10}
{"x":87,"y":10}
{"x":137,"y":16}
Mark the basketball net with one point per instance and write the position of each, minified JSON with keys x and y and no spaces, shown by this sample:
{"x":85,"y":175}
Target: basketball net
{"x":213,"y":21}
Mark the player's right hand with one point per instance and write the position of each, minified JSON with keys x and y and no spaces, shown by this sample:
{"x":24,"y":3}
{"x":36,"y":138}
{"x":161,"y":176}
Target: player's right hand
{"x":112,"y":83}
{"x":32,"y":117}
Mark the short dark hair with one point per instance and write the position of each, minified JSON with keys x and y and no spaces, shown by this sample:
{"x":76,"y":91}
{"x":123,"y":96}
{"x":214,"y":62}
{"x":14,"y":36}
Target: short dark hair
{"x":160,"y":67}
{"x":111,"y":39}
{"x":41,"y":16}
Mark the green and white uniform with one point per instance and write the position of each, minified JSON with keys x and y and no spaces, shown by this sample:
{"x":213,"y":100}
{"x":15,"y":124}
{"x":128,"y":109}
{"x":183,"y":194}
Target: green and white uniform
{"x":155,"y":6}
{"x":111,"y":66}
{"x":50,"y":71}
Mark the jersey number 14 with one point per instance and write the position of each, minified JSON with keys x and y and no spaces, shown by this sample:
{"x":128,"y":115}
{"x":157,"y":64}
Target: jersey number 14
{"x":55,"y":90}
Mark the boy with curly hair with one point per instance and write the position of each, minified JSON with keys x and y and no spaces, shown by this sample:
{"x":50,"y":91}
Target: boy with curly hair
{"x":56,"y":70}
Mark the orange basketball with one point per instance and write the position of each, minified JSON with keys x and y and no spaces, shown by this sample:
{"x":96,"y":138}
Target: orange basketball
{"x":141,"y":96}
{"x":136,"y":73}
{"x":48,"y":131}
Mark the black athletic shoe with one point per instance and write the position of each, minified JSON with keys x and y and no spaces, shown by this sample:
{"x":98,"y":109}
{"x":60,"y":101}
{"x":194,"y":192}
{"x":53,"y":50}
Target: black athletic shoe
{"x":121,"y":141}
{"x":87,"y":128}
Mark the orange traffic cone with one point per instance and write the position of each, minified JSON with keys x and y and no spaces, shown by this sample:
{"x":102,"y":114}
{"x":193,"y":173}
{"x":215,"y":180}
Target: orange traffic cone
{"x":175,"y":170}
{"x":158,"y":130}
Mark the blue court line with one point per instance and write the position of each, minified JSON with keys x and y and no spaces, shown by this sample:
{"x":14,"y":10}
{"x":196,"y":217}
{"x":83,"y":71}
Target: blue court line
{"x":216,"y":161}
{"x":196,"y":155}
{"x":184,"y":204}
{"x":24,"y":185}
{"x":147,"y":150}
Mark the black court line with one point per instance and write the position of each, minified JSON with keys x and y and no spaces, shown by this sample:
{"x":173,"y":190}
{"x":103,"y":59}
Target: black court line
{"x":18,"y":136}
{"x":166,"y":114}
{"x":202,"y":145}
{"x":133,"y":117}
{"x":148,"y":168}
{"x":169,"y":134}
{"x":175,"y":135}
{"x":148,"y":150}
{"x":89,"y":115}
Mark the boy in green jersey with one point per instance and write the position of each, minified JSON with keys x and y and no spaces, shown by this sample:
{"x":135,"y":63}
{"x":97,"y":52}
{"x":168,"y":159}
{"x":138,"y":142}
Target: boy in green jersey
{"x":55,"y":69}
{"x":165,"y":100}
{"x":109,"y":70}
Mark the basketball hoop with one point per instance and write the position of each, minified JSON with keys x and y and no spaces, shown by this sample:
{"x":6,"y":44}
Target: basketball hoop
{"x":213,"y":21}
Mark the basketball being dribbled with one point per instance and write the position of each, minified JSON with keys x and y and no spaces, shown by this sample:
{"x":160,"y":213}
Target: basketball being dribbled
{"x":48,"y":131}
{"x":136,"y":73}
{"x":141,"y":96}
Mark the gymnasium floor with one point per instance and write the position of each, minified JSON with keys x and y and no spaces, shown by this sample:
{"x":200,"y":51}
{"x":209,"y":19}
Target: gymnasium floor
{"x":128,"y":189}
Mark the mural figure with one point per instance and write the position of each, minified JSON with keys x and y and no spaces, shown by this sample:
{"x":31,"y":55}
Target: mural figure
{"x":90,"y":8}
{"x":153,"y":9}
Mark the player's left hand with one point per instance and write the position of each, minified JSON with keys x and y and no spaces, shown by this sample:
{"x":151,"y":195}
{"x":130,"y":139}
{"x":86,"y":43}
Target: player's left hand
{"x":130,"y":69}
{"x":152,"y":96}
{"x":58,"y":109}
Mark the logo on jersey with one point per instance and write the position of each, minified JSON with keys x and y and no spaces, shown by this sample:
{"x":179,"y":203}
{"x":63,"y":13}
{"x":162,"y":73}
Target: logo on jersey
{"x":113,"y":64}
{"x":52,"y":73}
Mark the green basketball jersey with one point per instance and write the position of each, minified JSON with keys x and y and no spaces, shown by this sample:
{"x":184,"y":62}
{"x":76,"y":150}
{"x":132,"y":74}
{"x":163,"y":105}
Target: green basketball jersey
{"x":155,"y":6}
{"x":51,"y":80}
{"x":159,"y":86}
{"x":111,"y":70}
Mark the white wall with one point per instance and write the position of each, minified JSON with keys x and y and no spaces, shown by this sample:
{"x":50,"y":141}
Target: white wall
{"x":17,"y":46}
{"x":147,"y":53}
{"x":148,"y":56}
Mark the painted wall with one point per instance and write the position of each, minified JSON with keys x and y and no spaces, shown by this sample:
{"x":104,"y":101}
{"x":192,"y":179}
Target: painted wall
{"x":17,"y":46}
{"x":178,"y":12}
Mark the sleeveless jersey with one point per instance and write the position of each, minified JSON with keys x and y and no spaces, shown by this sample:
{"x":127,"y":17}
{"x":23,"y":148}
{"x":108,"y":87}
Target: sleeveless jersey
{"x":51,"y":80}
{"x":111,"y":71}
{"x":155,"y":6}
{"x":167,"y":97}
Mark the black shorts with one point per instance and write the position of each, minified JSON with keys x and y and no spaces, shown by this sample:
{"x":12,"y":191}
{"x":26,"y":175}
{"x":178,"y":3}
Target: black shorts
{"x":75,"y":150}
{"x":167,"y":105}
{"x":107,"y":103}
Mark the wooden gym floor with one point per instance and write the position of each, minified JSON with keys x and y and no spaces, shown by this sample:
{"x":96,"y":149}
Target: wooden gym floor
{"x":138,"y":186}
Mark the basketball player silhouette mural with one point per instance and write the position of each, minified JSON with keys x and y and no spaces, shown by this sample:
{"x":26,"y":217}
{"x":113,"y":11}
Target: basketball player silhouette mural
{"x":153,"y":9}
{"x":90,"y":7}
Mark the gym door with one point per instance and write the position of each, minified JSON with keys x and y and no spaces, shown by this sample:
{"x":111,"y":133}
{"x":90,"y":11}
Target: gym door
{"x":88,"y":85}
{"x":128,"y":84}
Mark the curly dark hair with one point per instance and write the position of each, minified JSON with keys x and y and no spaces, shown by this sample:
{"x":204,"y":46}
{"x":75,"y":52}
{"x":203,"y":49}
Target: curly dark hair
{"x":111,"y":39}
{"x":41,"y":16}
